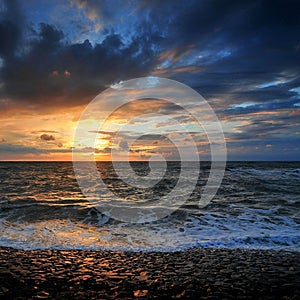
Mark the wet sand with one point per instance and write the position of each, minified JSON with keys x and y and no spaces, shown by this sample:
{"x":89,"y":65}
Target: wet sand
{"x":192,"y":274}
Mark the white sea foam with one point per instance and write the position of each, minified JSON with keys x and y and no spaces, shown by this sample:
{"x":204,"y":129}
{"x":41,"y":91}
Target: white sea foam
{"x":248,"y":230}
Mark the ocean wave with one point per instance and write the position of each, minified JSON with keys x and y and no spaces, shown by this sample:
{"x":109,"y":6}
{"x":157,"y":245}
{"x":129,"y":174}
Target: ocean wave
{"x":248,"y":230}
{"x":266,"y":172}
{"x":257,"y":206}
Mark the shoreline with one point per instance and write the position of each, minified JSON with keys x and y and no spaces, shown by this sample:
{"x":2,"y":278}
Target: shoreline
{"x":198,"y":273}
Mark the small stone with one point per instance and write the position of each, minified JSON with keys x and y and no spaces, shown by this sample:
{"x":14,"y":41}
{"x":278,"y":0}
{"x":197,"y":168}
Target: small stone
{"x":140,"y":293}
{"x":43,"y":295}
{"x":3,"y":290}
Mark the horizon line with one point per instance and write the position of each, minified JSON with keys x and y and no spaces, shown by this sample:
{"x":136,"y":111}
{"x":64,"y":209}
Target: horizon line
{"x":70,"y":161}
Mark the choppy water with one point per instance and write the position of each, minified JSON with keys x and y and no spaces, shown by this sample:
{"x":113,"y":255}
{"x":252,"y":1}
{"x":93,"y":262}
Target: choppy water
{"x":257,"y":206}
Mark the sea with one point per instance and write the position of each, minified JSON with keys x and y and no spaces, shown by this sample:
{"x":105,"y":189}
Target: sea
{"x":257,"y":206}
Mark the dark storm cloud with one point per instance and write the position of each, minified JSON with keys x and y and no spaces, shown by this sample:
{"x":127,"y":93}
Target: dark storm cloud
{"x":237,"y":45}
{"x":53,"y":69}
{"x":11,"y":23}
{"x":242,"y":44}
{"x":50,"y":68}
{"x":249,"y":29}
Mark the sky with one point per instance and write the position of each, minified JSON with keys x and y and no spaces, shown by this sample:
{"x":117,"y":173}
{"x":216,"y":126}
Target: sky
{"x":243,"y":57}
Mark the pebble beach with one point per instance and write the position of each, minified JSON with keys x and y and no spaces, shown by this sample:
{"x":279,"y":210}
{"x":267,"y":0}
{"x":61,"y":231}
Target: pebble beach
{"x":199,"y":273}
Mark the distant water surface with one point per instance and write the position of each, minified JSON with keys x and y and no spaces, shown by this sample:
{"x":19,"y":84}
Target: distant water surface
{"x":257,"y":206}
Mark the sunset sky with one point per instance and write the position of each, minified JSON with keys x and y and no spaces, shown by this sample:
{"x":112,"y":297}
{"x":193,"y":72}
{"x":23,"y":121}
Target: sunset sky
{"x":243,"y":57}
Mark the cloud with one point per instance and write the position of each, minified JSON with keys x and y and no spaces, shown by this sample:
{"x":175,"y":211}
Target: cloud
{"x":242,"y":56}
{"x":19,"y":149}
{"x":37,"y":74}
{"x":172,"y":71}
{"x":245,"y":108}
{"x":11,"y":23}
{"x":123,"y":145}
{"x":6,"y":148}
{"x":105,"y":150}
{"x":175,"y":54}
{"x":47,"y":137}
{"x":43,"y":131}
{"x":225,"y":45}
{"x":50,"y":67}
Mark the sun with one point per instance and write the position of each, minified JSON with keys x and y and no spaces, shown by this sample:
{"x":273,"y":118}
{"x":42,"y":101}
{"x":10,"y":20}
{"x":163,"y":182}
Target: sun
{"x":101,"y":143}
